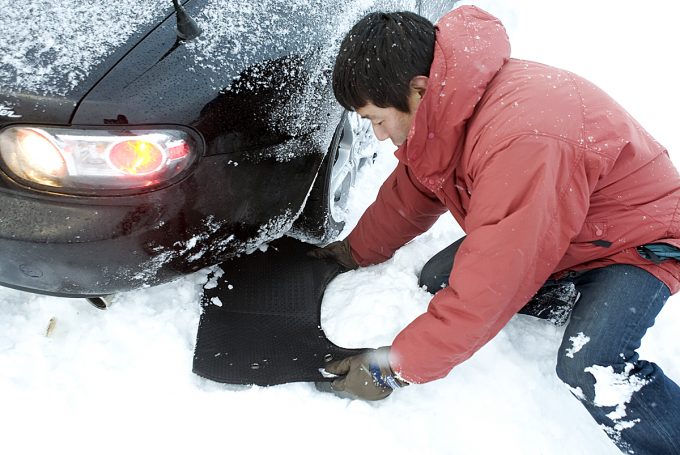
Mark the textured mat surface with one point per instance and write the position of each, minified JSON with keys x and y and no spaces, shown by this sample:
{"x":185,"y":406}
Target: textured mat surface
{"x":261,"y":322}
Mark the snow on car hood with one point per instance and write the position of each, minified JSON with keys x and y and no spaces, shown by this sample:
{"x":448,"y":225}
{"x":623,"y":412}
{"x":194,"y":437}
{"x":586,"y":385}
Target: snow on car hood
{"x":49,"y":48}
{"x":236,"y":36}
{"x":246,"y":28}
{"x":251,"y":26}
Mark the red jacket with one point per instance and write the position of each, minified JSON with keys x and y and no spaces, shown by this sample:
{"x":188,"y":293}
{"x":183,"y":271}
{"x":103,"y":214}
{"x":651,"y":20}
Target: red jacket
{"x":535,"y":164}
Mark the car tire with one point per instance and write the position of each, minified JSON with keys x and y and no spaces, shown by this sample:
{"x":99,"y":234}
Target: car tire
{"x":322,"y":218}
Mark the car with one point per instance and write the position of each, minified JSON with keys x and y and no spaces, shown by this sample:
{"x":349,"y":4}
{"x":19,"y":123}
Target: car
{"x":144,"y":140}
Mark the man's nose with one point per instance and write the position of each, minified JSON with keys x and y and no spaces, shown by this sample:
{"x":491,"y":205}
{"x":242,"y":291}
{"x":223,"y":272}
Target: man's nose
{"x":380,"y":133}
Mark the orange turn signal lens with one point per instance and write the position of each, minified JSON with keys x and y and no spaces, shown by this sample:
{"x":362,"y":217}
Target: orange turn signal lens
{"x":136,"y":157}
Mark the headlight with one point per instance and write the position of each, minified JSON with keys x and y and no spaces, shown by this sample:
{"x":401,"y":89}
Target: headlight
{"x":70,"y":160}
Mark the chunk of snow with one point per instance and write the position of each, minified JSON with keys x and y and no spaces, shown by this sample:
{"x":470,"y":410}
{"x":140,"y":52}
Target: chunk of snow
{"x":616,"y":390}
{"x":577,"y":344}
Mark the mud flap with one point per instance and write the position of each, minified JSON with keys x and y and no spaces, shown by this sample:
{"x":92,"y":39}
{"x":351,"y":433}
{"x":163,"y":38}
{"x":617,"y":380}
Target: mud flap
{"x":261,"y":319}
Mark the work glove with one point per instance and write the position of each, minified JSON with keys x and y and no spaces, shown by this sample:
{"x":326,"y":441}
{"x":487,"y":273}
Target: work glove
{"x":337,"y":251}
{"x":366,"y":376}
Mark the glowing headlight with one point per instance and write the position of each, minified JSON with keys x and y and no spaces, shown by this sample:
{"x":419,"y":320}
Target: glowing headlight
{"x":82,"y":160}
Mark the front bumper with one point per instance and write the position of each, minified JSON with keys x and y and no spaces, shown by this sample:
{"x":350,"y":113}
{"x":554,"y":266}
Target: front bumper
{"x":79,"y":247}
{"x":75,"y":249}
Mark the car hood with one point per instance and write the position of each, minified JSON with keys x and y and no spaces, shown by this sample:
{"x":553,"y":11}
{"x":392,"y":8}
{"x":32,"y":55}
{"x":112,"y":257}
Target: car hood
{"x":258,"y":75}
{"x":53,"y":53}
{"x":267,"y":61}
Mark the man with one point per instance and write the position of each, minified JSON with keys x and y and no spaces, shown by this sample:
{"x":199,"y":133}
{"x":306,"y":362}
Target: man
{"x":551,"y":180}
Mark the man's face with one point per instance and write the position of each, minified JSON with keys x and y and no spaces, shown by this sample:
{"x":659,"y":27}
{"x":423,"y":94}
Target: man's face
{"x":390,"y":123}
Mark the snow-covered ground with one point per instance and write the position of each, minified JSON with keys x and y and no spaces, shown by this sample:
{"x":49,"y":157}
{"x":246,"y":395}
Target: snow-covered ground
{"x":120,"y":381}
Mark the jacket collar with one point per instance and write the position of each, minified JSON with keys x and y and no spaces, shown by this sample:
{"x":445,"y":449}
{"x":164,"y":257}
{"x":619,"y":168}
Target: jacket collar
{"x":471,"y":46}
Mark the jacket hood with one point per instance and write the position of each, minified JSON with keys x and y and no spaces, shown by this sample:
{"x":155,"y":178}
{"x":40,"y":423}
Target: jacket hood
{"x":471,"y":46}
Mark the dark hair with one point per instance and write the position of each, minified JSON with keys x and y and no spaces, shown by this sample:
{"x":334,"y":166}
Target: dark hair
{"x":379,"y":57}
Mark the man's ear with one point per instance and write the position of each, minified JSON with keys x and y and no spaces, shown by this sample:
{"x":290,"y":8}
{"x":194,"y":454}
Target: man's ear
{"x":419,"y":85}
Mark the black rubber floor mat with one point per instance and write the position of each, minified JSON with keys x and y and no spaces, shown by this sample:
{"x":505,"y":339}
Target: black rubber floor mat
{"x":261,"y":323}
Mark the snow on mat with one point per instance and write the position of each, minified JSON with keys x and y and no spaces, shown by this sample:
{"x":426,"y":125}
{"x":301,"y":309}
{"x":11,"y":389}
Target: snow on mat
{"x":261,"y":318}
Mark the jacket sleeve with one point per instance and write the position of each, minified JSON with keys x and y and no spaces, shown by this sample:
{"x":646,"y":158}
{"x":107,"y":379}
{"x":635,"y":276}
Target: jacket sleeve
{"x":402,"y":210}
{"x":529,"y":199}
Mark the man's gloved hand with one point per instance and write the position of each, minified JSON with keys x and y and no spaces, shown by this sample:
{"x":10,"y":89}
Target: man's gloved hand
{"x":337,"y":251}
{"x":366,"y":376}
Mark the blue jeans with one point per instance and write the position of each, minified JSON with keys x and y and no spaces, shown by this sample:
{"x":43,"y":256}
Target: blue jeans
{"x":632,"y":400}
